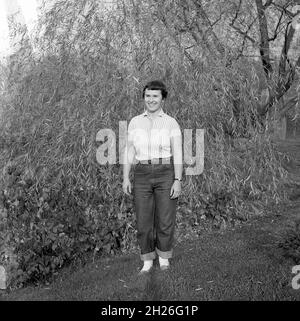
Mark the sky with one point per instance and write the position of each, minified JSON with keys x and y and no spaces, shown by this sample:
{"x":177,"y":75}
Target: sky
{"x":29,"y":10}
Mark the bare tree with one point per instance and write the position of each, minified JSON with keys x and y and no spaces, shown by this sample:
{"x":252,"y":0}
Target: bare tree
{"x":257,"y":28}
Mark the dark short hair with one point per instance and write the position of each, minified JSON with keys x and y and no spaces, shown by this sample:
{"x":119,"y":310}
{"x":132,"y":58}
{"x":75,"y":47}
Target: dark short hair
{"x":156,"y":85}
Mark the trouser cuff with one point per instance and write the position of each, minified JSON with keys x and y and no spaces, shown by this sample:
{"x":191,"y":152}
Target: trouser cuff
{"x":164,"y":254}
{"x":148,"y":256}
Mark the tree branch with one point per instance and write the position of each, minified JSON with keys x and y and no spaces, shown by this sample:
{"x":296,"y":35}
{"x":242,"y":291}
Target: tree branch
{"x":162,"y":18}
{"x":297,"y":63}
{"x":289,"y":34}
{"x":285,"y":79}
{"x":244,"y":33}
{"x":216,"y":21}
{"x":211,"y":34}
{"x":267,"y":4}
{"x":264,"y":43}
{"x":189,"y":47}
{"x":284,"y":9}
{"x":236,"y":14}
{"x":284,"y":84}
{"x":277,"y":26}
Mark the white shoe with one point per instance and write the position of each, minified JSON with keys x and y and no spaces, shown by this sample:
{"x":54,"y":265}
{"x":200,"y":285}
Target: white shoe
{"x":164,"y":264}
{"x":148,"y":264}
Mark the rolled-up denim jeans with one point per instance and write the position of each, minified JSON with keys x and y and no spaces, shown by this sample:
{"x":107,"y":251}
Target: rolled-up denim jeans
{"x":155,"y":210}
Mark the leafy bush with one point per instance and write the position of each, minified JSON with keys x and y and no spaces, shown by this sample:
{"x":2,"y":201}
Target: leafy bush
{"x":47,"y":229}
{"x":290,"y":242}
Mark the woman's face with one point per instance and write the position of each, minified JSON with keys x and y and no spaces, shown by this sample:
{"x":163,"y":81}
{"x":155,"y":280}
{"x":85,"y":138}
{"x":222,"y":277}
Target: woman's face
{"x":153,"y":100}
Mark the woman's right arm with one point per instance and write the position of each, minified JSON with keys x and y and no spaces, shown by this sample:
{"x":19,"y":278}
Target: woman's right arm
{"x":129,"y":156}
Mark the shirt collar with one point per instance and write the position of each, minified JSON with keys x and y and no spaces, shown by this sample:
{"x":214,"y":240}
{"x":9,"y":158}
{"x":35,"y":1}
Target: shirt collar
{"x":160,"y":114}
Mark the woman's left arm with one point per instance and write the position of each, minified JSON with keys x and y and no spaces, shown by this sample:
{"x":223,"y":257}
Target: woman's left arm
{"x":176,"y":145}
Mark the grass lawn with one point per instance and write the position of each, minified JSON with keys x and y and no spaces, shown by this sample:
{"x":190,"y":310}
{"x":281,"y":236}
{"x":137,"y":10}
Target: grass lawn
{"x":244,"y":263}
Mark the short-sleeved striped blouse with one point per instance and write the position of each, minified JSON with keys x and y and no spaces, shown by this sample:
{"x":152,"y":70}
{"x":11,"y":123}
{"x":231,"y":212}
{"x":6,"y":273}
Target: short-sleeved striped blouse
{"x":152,"y":137}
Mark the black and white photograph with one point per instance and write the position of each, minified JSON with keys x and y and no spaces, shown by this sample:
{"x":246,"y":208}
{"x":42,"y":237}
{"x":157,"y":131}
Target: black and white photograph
{"x":149,"y":154}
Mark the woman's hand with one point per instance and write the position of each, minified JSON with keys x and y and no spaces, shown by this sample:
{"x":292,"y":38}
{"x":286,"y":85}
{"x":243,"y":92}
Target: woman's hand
{"x":126,"y":186}
{"x":175,"y":189}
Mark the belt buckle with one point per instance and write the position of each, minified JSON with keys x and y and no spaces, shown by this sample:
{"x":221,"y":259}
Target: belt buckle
{"x":165,"y":161}
{"x":155,"y":161}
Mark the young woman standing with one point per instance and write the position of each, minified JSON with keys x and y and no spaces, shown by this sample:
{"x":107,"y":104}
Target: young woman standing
{"x":155,"y":144}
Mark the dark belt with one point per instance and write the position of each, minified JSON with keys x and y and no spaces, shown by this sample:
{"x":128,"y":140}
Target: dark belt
{"x":167,"y":160}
